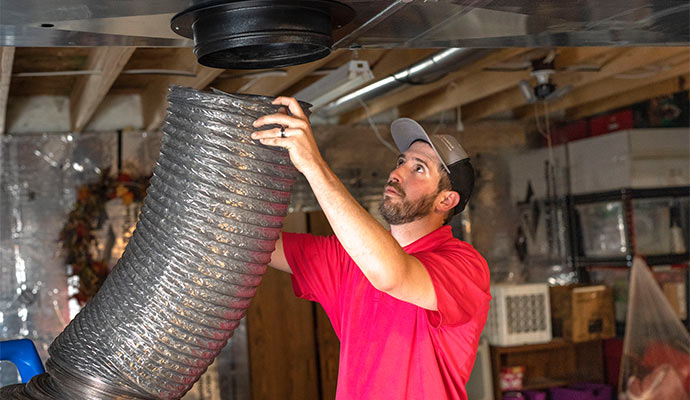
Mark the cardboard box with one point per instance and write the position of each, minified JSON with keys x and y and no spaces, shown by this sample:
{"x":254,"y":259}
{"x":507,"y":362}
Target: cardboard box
{"x":675,"y":294}
{"x":581,"y":313}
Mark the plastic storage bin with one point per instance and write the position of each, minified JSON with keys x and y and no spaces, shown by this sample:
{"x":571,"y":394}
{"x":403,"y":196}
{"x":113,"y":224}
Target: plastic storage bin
{"x":519,"y":314}
{"x":583,"y":391}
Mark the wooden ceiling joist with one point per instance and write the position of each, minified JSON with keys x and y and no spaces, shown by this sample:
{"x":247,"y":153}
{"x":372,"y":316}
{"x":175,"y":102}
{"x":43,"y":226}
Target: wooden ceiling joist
{"x":271,"y":84}
{"x":624,"y":60}
{"x":90,"y":90}
{"x":484,"y":84}
{"x":612,"y":87}
{"x":513,"y":97}
{"x":623,"y":99}
{"x":409,"y":93}
{"x":6,"y":61}
{"x":154,"y":98}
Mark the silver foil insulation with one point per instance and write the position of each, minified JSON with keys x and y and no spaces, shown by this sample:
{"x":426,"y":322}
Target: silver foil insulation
{"x":209,"y":224}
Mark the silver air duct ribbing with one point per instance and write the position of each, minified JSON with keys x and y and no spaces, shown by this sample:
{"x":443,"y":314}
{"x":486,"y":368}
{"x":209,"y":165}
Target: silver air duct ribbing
{"x":208,"y":226}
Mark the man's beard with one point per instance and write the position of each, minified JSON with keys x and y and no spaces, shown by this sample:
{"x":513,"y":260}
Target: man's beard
{"x":405,"y":211}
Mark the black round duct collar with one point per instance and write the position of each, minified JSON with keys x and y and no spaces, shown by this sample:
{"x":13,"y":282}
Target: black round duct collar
{"x":255,"y":34}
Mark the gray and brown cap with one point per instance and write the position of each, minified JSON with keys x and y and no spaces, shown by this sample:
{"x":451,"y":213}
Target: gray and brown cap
{"x":454,"y":159}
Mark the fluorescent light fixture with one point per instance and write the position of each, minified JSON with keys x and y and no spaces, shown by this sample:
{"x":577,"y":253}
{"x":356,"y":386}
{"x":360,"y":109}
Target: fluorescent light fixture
{"x":336,"y":84}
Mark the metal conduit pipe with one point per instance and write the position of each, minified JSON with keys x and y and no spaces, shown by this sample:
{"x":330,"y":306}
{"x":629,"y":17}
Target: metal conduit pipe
{"x":207,"y":228}
{"x":425,"y":71}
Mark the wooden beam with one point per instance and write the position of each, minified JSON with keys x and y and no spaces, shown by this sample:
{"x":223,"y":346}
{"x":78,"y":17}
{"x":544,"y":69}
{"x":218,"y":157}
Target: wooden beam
{"x":275,"y":85}
{"x":6,"y":61}
{"x":89,"y":90}
{"x":575,"y":56}
{"x":383,"y":62}
{"x":615,"y":62}
{"x":154,"y":99}
{"x":630,"y":60}
{"x":624,"y":99}
{"x":399,"y":97}
{"x":485,"y":84}
{"x":394,"y":60}
{"x":474,"y":88}
{"x":611,"y":87}
{"x":372,"y":56}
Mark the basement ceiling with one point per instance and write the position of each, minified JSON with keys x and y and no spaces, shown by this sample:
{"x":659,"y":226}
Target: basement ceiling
{"x":612,"y":54}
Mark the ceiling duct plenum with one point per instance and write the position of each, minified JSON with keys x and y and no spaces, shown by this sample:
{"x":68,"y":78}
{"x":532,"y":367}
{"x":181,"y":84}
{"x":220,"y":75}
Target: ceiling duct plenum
{"x":256,"y":34}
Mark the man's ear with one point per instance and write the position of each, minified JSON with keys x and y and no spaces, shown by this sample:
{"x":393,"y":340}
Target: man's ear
{"x":449,"y":199}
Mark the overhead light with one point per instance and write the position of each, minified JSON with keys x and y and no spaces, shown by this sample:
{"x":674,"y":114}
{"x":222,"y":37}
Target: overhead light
{"x":342,"y":80}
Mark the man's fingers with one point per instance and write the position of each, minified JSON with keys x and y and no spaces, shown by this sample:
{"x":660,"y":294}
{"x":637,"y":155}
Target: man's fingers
{"x":278,"y":119}
{"x":292,"y":104}
{"x":268,"y":133}
{"x":275,"y":133}
{"x":273,"y":141}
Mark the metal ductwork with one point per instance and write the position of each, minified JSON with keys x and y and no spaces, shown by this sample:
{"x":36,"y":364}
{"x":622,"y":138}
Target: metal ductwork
{"x":425,"y":71}
{"x":254,"y":34}
{"x":376,"y":23}
{"x":207,"y":229}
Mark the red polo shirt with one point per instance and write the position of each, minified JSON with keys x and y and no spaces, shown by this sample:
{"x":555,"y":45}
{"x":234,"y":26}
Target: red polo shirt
{"x":391,"y":349}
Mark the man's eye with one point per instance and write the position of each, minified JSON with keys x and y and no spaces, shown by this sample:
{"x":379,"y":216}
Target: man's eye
{"x":400,"y":162}
{"x":419,"y":168}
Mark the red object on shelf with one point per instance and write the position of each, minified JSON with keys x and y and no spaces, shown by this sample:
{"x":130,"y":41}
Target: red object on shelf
{"x":511,"y":377}
{"x":613,"y":353}
{"x":568,"y":133}
{"x":611,"y":122}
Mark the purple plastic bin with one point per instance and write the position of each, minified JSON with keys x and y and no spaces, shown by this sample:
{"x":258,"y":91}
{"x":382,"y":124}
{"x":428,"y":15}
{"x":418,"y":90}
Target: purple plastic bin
{"x":534,"y":395}
{"x":600,"y":391}
{"x":582,"y":391}
{"x":560,"y":393}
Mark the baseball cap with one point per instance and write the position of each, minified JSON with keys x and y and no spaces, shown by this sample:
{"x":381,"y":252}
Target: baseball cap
{"x":454,"y":158}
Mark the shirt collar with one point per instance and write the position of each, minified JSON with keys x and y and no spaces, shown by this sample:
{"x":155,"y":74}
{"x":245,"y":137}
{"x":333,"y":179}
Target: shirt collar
{"x":430,"y":241}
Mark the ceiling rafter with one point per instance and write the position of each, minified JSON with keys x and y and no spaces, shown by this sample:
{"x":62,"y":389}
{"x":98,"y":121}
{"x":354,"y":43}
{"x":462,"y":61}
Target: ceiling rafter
{"x":90,"y":90}
{"x":274,"y":84}
{"x":482,"y":84}
{"x":623,"y":99}
{"x":372,"y":56}
{"x":506,"y":100}
{"x":677,"y":66}
{"x":154,"y":99}
{"x":409,"y":93}
{"x":622,"y":60}
{"x":628,"y":60}
{"x":6,"y":61}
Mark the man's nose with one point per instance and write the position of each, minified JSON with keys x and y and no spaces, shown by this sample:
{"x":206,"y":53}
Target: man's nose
{"x":395,"y":174}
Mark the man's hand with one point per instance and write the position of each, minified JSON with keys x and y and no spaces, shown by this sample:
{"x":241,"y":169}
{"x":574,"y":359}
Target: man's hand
{"x":296,"y":135}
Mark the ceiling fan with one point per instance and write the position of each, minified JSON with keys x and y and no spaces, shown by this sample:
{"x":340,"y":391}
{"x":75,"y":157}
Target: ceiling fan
{"x":542,"y":64}
{"x":545,"y":90}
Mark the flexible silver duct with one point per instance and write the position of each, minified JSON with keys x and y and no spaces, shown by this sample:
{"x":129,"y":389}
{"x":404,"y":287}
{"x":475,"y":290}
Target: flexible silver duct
{"x":208,"y":226}
{"x":422,"y":72}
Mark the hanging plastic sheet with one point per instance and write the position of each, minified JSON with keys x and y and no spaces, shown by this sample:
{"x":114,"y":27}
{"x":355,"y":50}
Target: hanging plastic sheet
{"x":656,"y":349}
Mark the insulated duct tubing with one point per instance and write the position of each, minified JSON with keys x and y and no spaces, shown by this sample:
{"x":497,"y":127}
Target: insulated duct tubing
{"x":208,"y":226}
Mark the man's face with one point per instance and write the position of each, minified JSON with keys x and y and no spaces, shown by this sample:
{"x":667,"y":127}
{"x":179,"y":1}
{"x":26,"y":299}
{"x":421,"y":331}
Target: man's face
{"x":412,"y":186}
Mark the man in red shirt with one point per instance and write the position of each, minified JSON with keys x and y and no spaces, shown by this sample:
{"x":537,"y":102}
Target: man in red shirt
{"x":407,"y":305}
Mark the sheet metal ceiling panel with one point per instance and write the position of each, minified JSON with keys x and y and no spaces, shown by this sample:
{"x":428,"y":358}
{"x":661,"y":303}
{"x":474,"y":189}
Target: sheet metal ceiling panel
{"x":409,"y":23}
